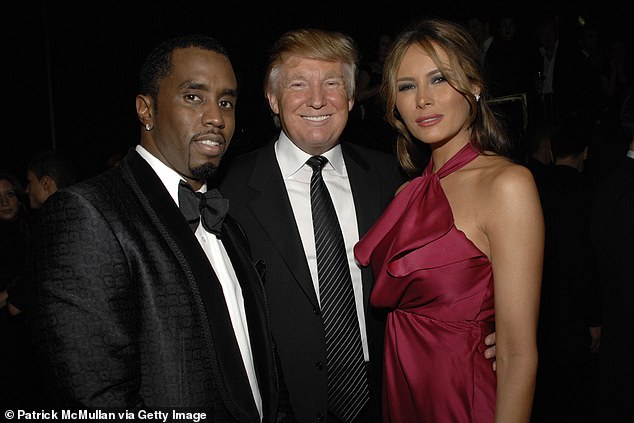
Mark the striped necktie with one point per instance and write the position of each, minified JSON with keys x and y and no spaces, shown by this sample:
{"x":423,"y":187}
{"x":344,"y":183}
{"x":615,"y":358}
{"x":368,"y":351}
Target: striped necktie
{"x":348,"y":390}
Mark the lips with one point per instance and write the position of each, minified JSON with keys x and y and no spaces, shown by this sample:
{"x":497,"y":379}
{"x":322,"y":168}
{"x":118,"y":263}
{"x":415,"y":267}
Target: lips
{"x":211,"y":145}
{"x":428,"y":120}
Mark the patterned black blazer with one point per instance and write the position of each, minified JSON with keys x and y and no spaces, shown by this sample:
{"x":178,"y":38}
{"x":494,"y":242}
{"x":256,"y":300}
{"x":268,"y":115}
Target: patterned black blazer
{"x":128,"y":312}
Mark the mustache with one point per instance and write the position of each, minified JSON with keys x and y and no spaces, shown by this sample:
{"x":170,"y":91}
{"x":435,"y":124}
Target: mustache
{"x":209,"y":136}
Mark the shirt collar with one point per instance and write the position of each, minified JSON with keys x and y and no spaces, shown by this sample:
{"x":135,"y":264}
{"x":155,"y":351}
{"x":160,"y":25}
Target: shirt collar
{"x":291,"y":158}
{"x":167,"y":175}
{"x":487,"y":43}
{"x":543,"y":51}
{"x":630,"y":154}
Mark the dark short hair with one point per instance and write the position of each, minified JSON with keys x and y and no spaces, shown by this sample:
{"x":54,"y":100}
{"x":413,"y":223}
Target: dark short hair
{"x":570,"y":137}
{"x":54,"y":164}
{"x":158,"y":63}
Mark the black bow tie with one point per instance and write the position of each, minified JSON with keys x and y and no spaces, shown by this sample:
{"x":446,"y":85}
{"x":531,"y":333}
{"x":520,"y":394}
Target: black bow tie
{"x":210,"y":206}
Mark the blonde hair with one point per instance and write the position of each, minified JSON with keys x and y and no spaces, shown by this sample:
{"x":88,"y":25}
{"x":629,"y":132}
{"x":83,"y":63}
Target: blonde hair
{"x":463,"y":73}
{"x":315,"y":44}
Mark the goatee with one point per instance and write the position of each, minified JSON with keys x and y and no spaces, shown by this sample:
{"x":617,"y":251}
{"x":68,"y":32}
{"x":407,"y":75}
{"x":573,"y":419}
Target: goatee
{"x":204,"y":172}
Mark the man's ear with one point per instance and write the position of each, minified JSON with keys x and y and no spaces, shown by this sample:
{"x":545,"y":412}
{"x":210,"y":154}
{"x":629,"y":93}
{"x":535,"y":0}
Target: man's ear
{"x":144,"y":108}
{"x":48,"y":184}
{"x":275,"y":108}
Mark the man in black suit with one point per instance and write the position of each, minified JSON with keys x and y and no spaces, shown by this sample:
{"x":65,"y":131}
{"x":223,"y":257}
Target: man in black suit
{"x":613,"y":239}
{"x":310,"y":86}
{"x":137,"y":306}
{"x":560,"y":68}
{"x":570,"y":320}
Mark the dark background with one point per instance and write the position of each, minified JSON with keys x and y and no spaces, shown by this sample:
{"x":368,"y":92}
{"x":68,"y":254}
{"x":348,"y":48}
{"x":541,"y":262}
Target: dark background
{"x":70,"y":69}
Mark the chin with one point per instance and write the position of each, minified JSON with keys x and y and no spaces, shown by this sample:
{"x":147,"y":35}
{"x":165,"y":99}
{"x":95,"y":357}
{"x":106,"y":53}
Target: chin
{"x":205,"y":171}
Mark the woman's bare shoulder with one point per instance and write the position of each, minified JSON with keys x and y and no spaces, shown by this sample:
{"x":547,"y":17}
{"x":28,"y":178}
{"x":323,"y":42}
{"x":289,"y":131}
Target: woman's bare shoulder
{"x":497,"y":172}
{"x":504,"y":185}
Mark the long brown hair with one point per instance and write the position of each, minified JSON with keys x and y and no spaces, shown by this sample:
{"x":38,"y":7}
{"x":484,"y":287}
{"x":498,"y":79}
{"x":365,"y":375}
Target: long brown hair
{"x":463,"y":72}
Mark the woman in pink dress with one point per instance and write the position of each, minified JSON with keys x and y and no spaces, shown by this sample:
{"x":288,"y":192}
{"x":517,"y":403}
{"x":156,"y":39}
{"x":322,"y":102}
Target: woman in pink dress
{"x":458,"y":253}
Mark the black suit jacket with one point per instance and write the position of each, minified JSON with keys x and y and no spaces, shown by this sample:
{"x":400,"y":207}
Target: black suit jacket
{"x":260,"y":203}
{"x":613,"y":238}
{"x":570,"y":301}
{"x":573,"y":70}
{"x":128,"y":312}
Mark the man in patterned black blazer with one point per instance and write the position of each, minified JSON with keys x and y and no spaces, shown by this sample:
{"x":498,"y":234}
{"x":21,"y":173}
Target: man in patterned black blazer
{"x":137,"y":307}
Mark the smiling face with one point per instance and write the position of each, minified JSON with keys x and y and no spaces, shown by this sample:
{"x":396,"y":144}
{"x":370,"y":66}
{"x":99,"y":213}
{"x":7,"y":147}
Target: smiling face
{"x":311,"y":102}
{"x":194,"y":118}
{"x":433,"y":111}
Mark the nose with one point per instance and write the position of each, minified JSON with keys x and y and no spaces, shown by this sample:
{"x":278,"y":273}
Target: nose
{"x":212,"y":115}
{"x":423,"y":99}
{"x":317,"y":98}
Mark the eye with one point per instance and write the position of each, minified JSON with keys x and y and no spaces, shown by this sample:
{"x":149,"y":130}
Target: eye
{"x":296,"y":85}
{"x":437,"y":79}
{"x":405,"y":86}
{"x":11,"y":194}
{"x":226,"y":104}
{"x":193,"y":98}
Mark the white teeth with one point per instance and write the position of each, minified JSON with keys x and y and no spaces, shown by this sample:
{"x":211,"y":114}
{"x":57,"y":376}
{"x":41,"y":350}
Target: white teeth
{"x":210,"y":143}
{"x":316,"y":118}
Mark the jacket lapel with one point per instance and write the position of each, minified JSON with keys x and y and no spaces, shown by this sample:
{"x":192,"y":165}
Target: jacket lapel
{"x":255,"y":306}
{"x":203,"y":282}
{"x":269,"y":193}
{"x":366,"y":188}
{"x":367,"y":194}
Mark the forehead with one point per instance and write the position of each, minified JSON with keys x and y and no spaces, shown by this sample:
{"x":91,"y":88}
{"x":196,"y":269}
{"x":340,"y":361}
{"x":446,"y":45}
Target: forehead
{"x":304,"y":67}
{"x":5,"y":185}
{"x":193,"y":64}
{"x":417,"y":58}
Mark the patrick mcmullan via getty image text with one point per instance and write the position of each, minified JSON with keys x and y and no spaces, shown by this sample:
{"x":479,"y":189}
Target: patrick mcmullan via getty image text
{"x":100,"y":415}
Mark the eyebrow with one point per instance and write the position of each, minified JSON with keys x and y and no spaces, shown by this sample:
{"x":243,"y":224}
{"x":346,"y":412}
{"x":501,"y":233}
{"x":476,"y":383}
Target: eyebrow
{"x":303,"y":77}
{"x":193,"y":85}
{"x":230,"y":92}
{"x":200,"y":86}
{"x":428,"y":74}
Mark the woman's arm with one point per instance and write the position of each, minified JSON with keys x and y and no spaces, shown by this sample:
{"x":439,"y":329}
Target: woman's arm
{"x":515,"y":229}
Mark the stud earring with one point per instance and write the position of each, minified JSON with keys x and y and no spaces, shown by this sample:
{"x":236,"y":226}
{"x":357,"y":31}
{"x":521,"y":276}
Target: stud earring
{"x":148,"y":127}
{"x":477,"y":97}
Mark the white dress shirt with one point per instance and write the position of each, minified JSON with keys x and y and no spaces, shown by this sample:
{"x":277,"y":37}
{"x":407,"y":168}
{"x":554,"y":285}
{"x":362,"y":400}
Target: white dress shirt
{"x":220,"y":262}
{"x":548,"y":69}
{"x":296,"y":174}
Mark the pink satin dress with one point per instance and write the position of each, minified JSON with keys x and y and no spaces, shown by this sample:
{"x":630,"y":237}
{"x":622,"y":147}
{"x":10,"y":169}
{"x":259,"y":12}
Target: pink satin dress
{"x":438,"y":287}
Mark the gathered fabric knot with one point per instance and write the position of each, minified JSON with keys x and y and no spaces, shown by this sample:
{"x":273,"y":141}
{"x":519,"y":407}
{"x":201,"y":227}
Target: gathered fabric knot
{"x":208,"y":207}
